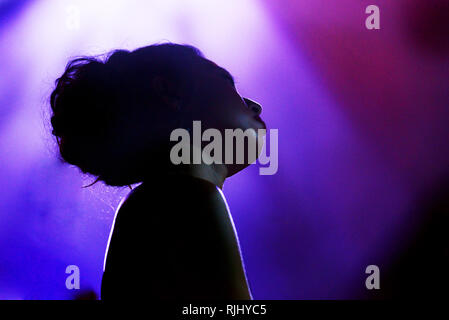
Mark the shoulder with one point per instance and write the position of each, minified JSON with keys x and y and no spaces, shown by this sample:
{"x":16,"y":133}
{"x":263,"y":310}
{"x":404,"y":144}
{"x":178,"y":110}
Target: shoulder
{"x":171,"y":192}
{"x":163,"y":204}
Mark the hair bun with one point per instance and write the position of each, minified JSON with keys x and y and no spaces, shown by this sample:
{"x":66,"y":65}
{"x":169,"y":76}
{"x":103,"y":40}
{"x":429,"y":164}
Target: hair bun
{"x":105,"y":118}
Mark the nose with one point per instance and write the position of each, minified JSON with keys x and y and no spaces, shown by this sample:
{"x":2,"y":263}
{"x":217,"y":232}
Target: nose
{"x":253,"y":106}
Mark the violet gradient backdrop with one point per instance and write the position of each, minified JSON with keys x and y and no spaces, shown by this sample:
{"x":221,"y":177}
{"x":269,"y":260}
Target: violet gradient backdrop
{"x":362,"y":118}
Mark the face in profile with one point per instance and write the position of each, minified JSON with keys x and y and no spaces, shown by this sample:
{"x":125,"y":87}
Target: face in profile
{"x":217,"y":104}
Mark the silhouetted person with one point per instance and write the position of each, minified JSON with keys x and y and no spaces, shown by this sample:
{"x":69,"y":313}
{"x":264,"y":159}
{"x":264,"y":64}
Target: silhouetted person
{"x":173,"y":236}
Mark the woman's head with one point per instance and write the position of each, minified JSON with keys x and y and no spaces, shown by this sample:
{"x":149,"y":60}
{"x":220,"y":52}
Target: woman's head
{"x":112,"y":118}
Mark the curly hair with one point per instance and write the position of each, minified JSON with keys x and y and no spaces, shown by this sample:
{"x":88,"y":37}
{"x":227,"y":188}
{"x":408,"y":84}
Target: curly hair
{"x":107,"y":117}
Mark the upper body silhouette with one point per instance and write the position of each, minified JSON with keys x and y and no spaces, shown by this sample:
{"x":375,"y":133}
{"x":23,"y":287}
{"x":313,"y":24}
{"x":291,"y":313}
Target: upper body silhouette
{"x":173,"y":236}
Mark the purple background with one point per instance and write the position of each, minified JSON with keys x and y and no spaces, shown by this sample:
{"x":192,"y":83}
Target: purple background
{"x":362,"y":118}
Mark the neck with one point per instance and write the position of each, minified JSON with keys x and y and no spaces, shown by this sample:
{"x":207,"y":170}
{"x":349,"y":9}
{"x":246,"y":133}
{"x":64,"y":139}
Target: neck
{"x":213,"y":173}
